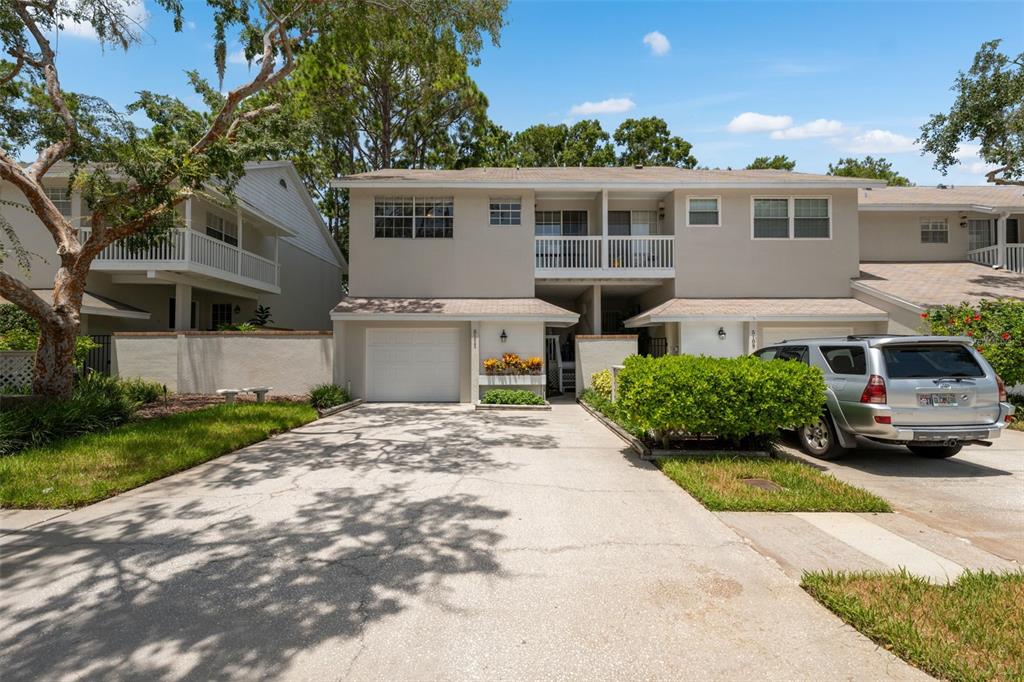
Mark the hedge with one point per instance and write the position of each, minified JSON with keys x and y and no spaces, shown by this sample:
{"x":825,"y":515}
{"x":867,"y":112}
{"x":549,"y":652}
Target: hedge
{"x":510,"y":396}
{"x":997,"y":328}
{"x":731,"y":398}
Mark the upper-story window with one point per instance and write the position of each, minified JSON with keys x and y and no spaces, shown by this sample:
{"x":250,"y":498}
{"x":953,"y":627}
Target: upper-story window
{"x":61,"y":198}
{"x":792,"y":218}
{"x":702,"y":211}
{"x":506,"y":211}
{"x":635,"y":223}
{"x":560,"y":223}
{"x":220,"y":229}
{"x":413,"y":217}
{"x":934,"y":231}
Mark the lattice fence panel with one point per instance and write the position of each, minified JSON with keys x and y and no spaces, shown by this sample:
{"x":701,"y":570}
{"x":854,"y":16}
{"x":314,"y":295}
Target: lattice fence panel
{"x":15,"y":370}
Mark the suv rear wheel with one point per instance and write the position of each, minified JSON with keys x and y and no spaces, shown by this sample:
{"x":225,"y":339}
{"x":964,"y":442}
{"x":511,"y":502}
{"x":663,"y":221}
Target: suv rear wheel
{"x":820,"y":439}
{"x":935,"y":451}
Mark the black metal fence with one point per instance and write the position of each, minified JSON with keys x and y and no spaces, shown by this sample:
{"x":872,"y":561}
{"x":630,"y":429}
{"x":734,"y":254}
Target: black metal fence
{"x":653,"y":346}
{"x":98,"y":359}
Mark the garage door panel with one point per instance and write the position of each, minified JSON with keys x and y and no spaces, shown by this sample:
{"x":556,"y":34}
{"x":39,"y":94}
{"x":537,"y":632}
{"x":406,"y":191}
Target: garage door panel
{"x":415,"y":365}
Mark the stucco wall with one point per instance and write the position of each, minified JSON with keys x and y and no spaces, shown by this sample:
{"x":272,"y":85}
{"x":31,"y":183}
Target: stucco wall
{"x":896,"y":236}
{"x":726,"y":261}
{"x":481,"y":260}
{"x":594,"y":353}
{"x":202,"y":363}
{"x":701,"y":338}
{"x":797,"y":330}
{"x":901,"y":320}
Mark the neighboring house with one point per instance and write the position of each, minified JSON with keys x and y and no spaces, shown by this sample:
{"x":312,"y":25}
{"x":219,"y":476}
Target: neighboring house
{"x":270,"y":248}
{"x":451,"y":267}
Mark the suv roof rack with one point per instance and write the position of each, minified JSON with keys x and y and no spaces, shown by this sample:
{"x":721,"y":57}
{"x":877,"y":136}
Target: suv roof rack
{"x":854,"y":337}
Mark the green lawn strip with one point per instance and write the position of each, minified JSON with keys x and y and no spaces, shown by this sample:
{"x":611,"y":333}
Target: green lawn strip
{"x":717,"y":482}
{"x":90,"y":468}
{"x":970,"y":630}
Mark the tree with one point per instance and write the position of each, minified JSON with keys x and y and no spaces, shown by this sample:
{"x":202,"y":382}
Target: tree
{"x":133,"y":178}
{"x":989,"y":110}
{"x":868,"y":167}
{"x":997,"y":328}
{"x":587,"y":144}
{"x":777,"y":162}
{"x":648,"y":142}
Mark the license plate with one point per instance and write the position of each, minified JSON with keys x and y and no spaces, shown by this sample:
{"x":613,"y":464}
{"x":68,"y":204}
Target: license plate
{"x":937,"y":399}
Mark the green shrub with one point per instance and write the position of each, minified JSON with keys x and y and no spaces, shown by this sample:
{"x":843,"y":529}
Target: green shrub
{"x":142,"y":391}
{"x":511,"y":396}
{"x":601,"y":382}
{"x":14,"y":318}
{"x":327,"y":395}
{"x":731,"y":398}
{"x":24,"y":339}
{"x":239,"y":327}
{"x":609,"y":409}
{"x":997,"y":328}
{"x":98,"y":403}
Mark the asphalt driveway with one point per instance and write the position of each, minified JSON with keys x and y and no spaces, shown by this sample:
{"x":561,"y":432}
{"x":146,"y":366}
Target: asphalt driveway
{"x":977,"y":495}
{"x":413,"y":542}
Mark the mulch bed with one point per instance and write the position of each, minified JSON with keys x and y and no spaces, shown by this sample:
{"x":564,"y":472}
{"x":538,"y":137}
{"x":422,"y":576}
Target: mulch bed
{"x":190,"y":402}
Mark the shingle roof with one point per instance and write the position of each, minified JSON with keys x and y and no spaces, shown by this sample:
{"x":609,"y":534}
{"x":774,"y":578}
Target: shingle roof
{"x":97,"y":305}
{"x":760,"y":309}
{"x":929,"y":285}
{"x":992,"y":196}
{"x":452,"y":308}
{"x":654,"y":175}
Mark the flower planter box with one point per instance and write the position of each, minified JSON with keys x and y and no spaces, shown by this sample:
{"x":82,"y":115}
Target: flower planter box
{"x":512,"y":379}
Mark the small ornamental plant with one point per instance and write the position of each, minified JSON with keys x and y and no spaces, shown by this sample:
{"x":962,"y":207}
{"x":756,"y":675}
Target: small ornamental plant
{"x":512,"y":364}
{"x":997,"y":328}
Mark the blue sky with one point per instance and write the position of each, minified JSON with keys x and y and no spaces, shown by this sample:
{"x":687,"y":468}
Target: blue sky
{"x":813,"y":80}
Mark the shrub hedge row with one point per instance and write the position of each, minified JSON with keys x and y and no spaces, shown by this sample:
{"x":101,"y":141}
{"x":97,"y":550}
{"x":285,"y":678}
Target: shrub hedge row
{"x":731,"y":398}
{"x":509,"y":396}
{"x":324,"y":396}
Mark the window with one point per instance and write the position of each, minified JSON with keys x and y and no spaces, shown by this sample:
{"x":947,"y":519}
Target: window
{"x":413,"y":218}
{"x":702,"y":211}
{"x":61,"y":198}
{"x":220,"y":314}
{"x":626,"y":223}
{"x":618,"y":223}
{"x":560,"y":223}
{"x":507,"y":211}
{"x":811,"y":218}
{"x":934,"y":231}
{"x":930,"y":362}
{"x":979,"y":234}
{"x":766,"y":354}
{"x":798,"y":353}
{"x":771,"y":218}
{"x":220,"y":229}
{"x":845,"y":359}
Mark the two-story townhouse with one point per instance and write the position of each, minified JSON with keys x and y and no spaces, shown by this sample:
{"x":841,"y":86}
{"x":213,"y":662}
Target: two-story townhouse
{"x":450,"y":267}
{"x":270,"y":247}
{"x":923,"y":247}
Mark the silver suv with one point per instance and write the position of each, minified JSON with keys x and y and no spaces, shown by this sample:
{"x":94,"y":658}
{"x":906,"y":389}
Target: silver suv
{"x":933,"y":394}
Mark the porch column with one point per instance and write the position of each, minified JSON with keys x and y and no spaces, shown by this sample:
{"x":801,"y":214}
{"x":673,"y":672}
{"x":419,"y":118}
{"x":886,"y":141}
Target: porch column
{"x":238,"y":218}
{"x":596,"y":308}
{"x":182,"y":307}
{"x":1001,"y":239}
{"x":474,"y":362}
{"x":188,"y":229}
{"x":277,"y":262}
{"x":604,"y":232}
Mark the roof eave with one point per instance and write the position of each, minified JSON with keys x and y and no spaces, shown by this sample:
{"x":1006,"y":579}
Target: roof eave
{"x":342,"y":183}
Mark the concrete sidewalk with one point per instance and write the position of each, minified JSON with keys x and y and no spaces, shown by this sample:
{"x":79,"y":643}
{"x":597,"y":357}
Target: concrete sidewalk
{"x":414,"y":542}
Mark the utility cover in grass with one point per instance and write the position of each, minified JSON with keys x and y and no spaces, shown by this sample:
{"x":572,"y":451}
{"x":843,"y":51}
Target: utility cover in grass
{"x":721,"y":483}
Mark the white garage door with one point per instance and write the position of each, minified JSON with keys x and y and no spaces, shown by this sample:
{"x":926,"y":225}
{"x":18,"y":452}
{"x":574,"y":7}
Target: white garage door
{"x":773,"y":336}
{"x":414,"y":365}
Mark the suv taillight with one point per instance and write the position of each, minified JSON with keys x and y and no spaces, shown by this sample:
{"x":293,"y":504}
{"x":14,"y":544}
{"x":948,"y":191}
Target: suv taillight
{"x":874,"y":392}
{"x":1002,"y":389}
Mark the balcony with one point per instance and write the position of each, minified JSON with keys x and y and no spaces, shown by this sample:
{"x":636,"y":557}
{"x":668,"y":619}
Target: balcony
{"x":647,"y":256}
{"x":990,"y":255}
{"x":186,"y":250}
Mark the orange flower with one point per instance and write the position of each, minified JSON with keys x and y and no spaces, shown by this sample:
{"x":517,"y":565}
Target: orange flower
{"x":924,"y":316}
{"x":1006,"y":336}
{"x":977,"y":317}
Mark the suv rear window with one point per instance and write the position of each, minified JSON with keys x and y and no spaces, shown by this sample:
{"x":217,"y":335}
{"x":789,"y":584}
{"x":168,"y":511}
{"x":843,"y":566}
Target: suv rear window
{"x":845,"y":359}
{"x":930,"y":362}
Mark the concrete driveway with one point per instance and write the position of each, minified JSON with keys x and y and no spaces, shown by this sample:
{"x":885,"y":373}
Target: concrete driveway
{"x":414,"y":542}
{"x":977,"y":495}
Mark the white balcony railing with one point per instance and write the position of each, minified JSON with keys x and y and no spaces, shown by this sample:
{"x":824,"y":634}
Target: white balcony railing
{"x":986,"y":256}
{"x":200,"y":249}
{"x":1015,"y":257}
{"x":649,"y":252}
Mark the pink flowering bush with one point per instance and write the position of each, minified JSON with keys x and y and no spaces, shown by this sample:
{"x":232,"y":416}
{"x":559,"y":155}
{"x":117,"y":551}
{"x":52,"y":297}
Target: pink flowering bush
{"x":997,"y":328}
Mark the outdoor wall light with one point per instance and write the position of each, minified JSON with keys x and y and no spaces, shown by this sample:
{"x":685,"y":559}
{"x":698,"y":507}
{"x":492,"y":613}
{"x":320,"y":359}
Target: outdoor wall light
{"x":504,"y":336}
{"x":721,"y":333}
{"x":238,"y":309}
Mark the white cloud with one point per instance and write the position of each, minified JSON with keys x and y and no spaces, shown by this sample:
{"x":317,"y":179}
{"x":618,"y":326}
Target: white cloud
{"x":750,"y":122}
{"x":822,"y":127}
{"x":237,"y":57}
{"x":658,"y":42}
{"x":881,"y":142}
{"x":190,"y":25}
{"x":615,"y":105}
{"x":136,"y":14}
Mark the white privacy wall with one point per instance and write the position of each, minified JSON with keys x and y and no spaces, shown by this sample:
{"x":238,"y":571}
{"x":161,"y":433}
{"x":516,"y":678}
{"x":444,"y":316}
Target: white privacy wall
{"x":197,"y":362}
{"x":701,"y":338}
{"x":594,"y":353}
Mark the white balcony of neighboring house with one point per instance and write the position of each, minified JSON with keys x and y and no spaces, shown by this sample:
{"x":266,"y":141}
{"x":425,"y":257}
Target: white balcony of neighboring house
{"x":606,"y":236}
{"x":234,"y":245}
{"x":997,"y":242}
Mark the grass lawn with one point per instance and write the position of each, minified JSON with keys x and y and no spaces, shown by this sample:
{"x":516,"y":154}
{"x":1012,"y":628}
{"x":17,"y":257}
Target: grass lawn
{"x":717,"y":483}
{"x":89,"y":468}
{"x":970,"y":630}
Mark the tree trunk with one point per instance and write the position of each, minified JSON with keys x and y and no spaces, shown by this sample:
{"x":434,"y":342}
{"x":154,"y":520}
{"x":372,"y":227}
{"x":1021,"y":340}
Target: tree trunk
{"x":55,"y":359}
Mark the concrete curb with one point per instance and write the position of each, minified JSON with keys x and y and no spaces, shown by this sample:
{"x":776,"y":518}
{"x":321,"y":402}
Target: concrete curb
{"x":340,"y":408}
{"x":545,"y":406}
{"x":632,"y":441}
